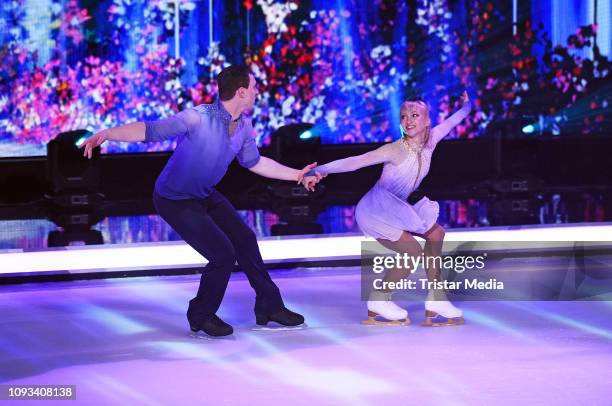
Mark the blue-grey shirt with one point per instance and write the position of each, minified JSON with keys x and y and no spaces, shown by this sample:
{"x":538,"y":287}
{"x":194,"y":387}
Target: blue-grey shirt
{"x":204,"y":149}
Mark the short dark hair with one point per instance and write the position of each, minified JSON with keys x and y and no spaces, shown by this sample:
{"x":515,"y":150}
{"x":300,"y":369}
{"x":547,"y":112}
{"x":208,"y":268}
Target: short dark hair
{"x":231,"y":79}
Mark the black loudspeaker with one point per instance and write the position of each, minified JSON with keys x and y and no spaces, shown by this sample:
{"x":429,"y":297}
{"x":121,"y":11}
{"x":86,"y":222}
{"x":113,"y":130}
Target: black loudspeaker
{"x":74,"y":180}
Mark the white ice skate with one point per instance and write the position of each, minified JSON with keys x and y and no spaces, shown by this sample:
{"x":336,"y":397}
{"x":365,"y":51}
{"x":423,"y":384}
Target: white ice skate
{"x":380,"y":305}
{"x":440,"y":312}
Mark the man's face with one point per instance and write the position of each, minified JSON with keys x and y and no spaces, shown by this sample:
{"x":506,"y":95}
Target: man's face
{"x":250,"y":94}
{"x":414,"y":117}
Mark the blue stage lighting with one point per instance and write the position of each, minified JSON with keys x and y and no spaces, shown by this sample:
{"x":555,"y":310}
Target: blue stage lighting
{"x":528,"y":129}
{"x":306,"y":135}
{"x":81,"y":140}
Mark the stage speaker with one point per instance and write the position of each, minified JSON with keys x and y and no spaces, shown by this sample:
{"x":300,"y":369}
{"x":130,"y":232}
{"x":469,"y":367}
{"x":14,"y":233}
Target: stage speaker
{"x":74,"y":180}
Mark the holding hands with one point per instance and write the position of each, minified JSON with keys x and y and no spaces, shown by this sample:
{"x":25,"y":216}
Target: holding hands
{"x":309,"y":178}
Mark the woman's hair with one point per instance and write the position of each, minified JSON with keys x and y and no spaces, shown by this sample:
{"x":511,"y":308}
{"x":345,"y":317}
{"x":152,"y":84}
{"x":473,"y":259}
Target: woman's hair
{"x":424,"y":108}
{"x":419,"y":103}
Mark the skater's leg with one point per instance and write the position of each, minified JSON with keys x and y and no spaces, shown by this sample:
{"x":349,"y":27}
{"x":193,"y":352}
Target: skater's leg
{"x":434,"y":239}
{"x":189,"y":218}
{"x":247,"y":252}
{"x":436,"y":303}
{"x":379,"y":303}
{"x":406,"y":244}
{"x":269,"y":304}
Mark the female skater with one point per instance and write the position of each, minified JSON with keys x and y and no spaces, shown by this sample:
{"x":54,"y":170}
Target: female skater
{"x":384,"y":213}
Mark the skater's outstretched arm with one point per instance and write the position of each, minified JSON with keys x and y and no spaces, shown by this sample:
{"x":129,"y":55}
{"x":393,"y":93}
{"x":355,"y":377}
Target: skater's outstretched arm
{"x":350,"y":164}
{"x":249,"y":157}
{"x":133,"y":132}
{"x":441,"y":130}
{"x":150,"y":131}
{"x":271,"y":169}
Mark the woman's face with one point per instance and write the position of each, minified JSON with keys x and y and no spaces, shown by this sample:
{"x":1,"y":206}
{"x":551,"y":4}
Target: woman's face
{"x":414,"y":118}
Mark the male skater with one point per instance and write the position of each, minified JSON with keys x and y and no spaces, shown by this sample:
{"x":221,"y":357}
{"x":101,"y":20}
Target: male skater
{"x":209,"y":137}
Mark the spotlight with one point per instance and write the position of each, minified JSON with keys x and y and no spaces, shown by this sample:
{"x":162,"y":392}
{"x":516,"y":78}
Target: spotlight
{"x":294,"y":145}
{"x":81,"y":140}
{"x":306,"y":135}
{"x":528,"y":129}
{"x":294,"y":141}
{"x":74,"y":179}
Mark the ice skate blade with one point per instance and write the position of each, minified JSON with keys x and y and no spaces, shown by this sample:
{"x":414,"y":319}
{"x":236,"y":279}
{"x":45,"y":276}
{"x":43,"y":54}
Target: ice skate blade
{"x":432,"y":319}
{"x":279,"y":328}
{"x":373,"y":321}
{"x":200,"y":335}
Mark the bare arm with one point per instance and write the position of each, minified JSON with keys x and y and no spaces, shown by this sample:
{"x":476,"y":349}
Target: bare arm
{"x":133,"y":132}
{"x":269,"y":168}
{"x":441,"y":130}
{"x":180,"y":124}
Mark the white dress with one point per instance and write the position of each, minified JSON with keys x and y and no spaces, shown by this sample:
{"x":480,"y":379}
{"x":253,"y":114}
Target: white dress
{"x":383,"y":212}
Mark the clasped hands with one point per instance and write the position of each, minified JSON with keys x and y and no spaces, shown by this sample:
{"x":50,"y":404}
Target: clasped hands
{"x":309,"y":178}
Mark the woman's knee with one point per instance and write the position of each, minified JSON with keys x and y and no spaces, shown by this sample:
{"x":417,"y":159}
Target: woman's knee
{"x":407,"y":244}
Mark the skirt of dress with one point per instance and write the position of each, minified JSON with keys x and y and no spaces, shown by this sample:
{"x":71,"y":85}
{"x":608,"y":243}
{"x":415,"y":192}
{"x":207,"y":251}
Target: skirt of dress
{"x":381,"y":214}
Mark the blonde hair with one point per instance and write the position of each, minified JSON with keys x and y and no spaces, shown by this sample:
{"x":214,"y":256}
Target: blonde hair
{"x":419,"y":105}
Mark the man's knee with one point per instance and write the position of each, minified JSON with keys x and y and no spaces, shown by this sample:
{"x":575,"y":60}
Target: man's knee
{"x":225,"y":259}
{"x":246,"y":238}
